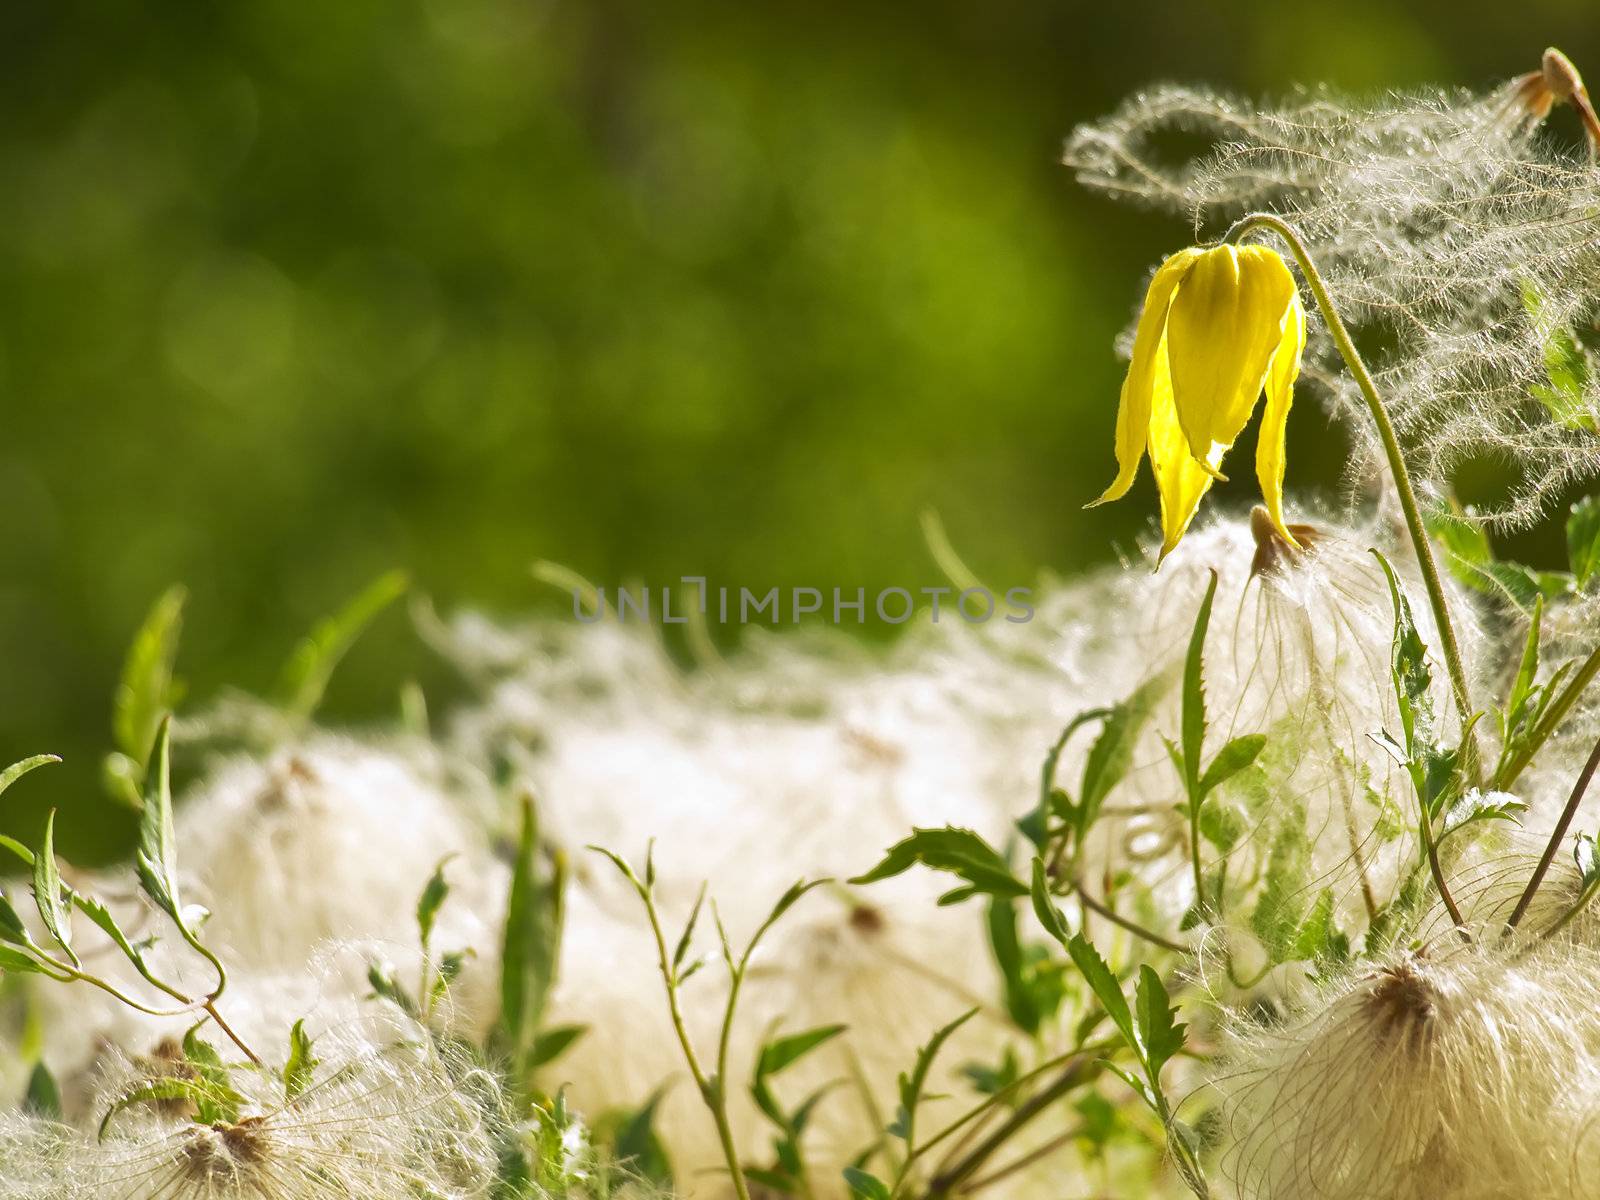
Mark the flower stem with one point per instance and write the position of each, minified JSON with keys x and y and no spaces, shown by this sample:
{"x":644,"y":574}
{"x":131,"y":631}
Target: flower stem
{"x":1556,"y":835}
{"x":1449,"y":646}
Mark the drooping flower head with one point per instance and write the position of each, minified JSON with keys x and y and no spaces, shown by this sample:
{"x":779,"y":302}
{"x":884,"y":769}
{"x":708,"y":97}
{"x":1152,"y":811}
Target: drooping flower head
{"x":1218,"y":326}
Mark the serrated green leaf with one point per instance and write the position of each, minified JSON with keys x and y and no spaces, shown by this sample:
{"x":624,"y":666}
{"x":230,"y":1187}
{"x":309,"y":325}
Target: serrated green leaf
{"x":302,"y":1064}
{"x":1159,"y":1030}
{"x":959,"y":852}
{"x":47,"y":891}
{"x":1194,"y":692}
{"x":147,"y":691}
{"x":1583,"y":539}
{"x":1231,"y":759}
{"x":1103,"y":983}
{"x":1111,"y":755}
{"x":1475,"y":806}
{"x":311,"y":666}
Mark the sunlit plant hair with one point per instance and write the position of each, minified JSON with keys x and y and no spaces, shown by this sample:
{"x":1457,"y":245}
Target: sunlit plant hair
{"x":1449,"y":222}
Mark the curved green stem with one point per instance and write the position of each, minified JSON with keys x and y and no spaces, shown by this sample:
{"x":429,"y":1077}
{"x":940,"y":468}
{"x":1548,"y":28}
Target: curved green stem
{"x":1449,"y":647}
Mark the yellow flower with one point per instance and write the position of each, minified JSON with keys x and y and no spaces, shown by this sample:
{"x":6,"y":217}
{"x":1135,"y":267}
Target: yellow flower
{"x":1218,"y":326}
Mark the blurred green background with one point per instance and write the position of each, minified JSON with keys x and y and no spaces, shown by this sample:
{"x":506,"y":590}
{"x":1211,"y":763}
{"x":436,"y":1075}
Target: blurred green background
{"x":298,"y":292}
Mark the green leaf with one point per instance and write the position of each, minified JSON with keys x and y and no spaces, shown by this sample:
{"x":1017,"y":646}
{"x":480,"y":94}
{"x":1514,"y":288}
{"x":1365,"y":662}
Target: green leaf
{"x":553,"y":1042}
{"x":1408,"y":664}
{"x":47,"y":891}
{"x":1194,"y":694}
{"x":1053,"y":800}
{"x":302,"y":1064}
{"x":12,"y":928}
{"x":1140,"y":1087}
{"x":386,"y":987}
{"x":18,"y":963}
{"x":782,"y":1052}
{"x":147,"y":691}
{"x":1025,"y":1002}
{"x":169,"y":1087}
{"x":434,"y":894}
{"x":156,"y":862}
{"x":1566,"y":365}
{"x":1522,"y":684}
{"x":43,"y":1097}
{"x":1045,"y":908}
{"x":216,"y":1101}
{"x":1476,"y":806}
{"x":1111,"y":755}
{"x":1107,"y":990}
{"x":535,"y":913}
{"x":1587,"y":857}
{"x":1231,"y":759}
{"x":311,"y":666}
{"x":639,"y":1146}
{"x":18,"y":769}
{"x":1280,"y":905}
{"x":1161,"y":1033}
{"x":101,"y":916}
{"x":1317,"y":939}
{"x":959,"y":852}
{"x":864,"y":1185}
{"x":1583,"y":539}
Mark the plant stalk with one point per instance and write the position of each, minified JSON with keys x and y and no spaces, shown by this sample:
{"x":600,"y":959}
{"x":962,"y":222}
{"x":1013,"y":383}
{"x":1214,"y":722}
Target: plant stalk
{"x":1556,"y":836}
{"x":1449,"y":647}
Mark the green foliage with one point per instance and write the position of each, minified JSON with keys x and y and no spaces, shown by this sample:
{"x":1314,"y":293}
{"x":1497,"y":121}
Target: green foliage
{"x":638,"y":1145}
{"x":146,"y":692}
{"x":156,"y":861}
{"x":1568,"y":368}
{"x":1032,"y":985}
{"x":301,"y":1065}
{"x":530,"y":948}
{"x":912,"y":1085}
{"x":43,"y":1096}
{"x":311,"y":666}
{"x":787,"y":1174}
{"x":959,"y":852}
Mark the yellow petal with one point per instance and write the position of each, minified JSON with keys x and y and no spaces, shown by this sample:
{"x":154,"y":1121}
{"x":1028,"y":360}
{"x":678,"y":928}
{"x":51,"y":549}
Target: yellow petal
{"x":1224,"y":326}
{"x":1270,"y":456}
{"x":1181,"y":481}
{"x":1133,"y":409}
